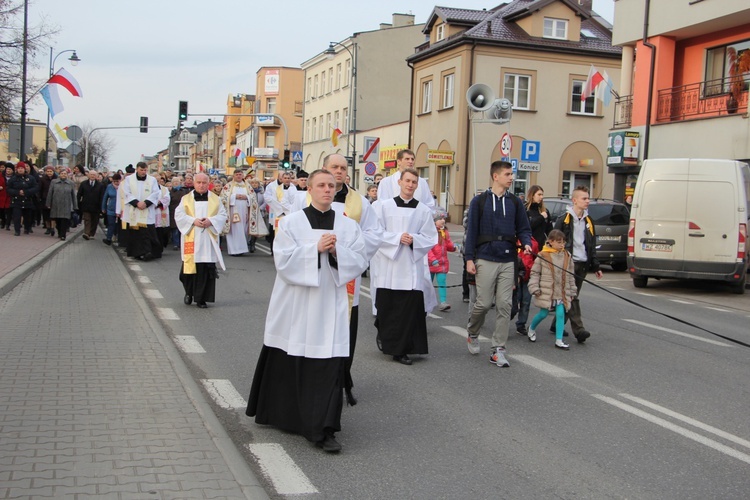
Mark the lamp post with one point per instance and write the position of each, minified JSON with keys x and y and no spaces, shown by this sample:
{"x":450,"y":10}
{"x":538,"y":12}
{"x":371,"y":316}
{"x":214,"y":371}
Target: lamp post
{"x":330,"y":52}
{"x":74,"y":60}
{"x":22,"y":146}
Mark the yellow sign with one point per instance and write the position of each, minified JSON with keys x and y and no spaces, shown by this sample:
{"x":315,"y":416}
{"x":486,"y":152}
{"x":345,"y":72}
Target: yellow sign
{"x":388,"y":155}
{"x":440,"y":157}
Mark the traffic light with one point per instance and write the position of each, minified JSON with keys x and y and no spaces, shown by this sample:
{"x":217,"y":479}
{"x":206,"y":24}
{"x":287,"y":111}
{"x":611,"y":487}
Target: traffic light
{"x":285,"y":163}
{"x":144,"y":124}
{"x":183,"y":111}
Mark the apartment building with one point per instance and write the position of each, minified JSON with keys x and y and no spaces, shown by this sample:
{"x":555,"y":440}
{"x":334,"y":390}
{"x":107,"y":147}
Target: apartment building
{"x":535,"y":53}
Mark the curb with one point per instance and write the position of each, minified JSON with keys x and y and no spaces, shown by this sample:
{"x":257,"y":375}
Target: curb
{"x":13,"y":278}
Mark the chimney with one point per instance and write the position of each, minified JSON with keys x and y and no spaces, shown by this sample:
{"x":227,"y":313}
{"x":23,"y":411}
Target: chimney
{"x":400,"y":20}
{"x":587,"y":5}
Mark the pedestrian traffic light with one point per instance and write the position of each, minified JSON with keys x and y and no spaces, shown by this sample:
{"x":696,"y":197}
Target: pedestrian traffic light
{"x":144,"y":124}
{"x":183,"y":110}
{"x":285,"y":163}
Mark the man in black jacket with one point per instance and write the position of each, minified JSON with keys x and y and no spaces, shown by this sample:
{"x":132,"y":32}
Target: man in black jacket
{"x":580,"y":241}
{"x":22,"y":189}
{"x":90,"y":194}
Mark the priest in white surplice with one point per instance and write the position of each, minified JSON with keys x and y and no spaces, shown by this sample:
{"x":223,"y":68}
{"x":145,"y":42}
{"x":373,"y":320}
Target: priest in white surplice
{"x":299,"y":380}
{"x":238,"y":197}
{"x":279,"y":196}
{"x":200,"y":217}
{"x":409,"y":234}
{"x":141,"y":193}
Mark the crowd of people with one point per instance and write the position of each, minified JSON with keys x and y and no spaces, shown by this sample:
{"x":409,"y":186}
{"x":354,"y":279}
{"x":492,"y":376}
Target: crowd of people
{"x":324,"y":236}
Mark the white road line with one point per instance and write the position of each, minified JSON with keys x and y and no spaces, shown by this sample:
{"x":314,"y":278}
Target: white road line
{"x":695,"y":423}
{"x":615,"y":288}
{"x":224,"y":393}
{"x":167,"y":313}
{"x":646,"y":294}
{"x":676,"y":429}
{"x":718,"y":309}
{"x":152,"y":293}
{"x":461,"y":332}
{"x":144,"y":279}
{"x":681,"y":334}
{"x":544,"y":367}
{"x":276,"y":465}
{"x":134,"y":267}
{"x":363,"y":287}
{"x":189,"y":344}
{"x":266,"y":250}
{"x":430,"y":315}
{"x":682,"y":302}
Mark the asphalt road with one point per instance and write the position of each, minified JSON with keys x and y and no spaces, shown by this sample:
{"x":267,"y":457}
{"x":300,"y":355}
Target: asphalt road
{"x":647,"y":408}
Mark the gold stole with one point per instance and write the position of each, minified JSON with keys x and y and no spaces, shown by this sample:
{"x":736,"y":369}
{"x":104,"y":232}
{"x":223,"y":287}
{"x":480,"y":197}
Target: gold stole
{"x":188,"y":204}
{"x":279,"y":197}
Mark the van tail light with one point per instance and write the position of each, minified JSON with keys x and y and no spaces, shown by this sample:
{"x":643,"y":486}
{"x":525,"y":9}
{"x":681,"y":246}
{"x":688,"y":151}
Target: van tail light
{"x":693,"y":226}
{"x":631,"y":238}
{"x":741,"y":243}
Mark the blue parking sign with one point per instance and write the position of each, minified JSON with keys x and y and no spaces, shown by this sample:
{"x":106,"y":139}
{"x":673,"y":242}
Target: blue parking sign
{"x":530,"y":150}
{"x":514,"y":163}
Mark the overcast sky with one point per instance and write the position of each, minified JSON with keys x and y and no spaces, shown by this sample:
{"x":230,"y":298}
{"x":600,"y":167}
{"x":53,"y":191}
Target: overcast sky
{"x":140,"y":57}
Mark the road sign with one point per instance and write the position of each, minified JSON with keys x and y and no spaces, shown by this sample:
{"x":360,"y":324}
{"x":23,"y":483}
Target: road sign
{"x":372,"y":149}
{"x":296,"y":156}
{"x":506,"y":144}
{"x":370,"y":168}
{"x":530,"y":151}
{"x":526,"y":166}
{"x":349,"y":161}
{"x":514,"y":163}
{"x":74,"y":132}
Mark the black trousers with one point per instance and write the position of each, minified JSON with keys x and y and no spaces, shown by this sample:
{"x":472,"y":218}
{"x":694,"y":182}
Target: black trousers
{"x":28,"y":218}
{"x":62,"y":226}
{"x":201,"y":285}
{"x":574,"y":314}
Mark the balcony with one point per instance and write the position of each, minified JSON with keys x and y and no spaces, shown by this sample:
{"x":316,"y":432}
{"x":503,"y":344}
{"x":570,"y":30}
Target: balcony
{"x":693,"y":101}
{"x":623,"y":111}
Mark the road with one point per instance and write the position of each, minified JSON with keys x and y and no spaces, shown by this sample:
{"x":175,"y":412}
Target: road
{"x":647,"y":408}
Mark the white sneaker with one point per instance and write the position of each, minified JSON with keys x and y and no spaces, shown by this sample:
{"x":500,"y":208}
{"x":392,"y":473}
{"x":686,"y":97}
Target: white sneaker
{"x":532,"y":335}
{"x":473,"y":344}
{"x":444,"y":306}
{"x":498,"y":358}
{"x":560,"y":344}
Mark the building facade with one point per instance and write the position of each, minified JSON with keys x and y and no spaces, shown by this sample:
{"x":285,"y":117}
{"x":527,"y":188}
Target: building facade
{"x":535,"y":53}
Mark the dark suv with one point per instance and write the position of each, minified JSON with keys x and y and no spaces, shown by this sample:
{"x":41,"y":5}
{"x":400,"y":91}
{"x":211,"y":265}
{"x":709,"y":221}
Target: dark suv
{"x":611,"y":219}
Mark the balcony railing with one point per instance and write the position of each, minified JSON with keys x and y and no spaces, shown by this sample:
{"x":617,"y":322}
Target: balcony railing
{"x":623,"y":111}
{"x":705,"y":99}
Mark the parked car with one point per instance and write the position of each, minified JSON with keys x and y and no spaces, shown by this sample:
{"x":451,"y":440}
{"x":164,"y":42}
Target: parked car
{"x":611,"y":219}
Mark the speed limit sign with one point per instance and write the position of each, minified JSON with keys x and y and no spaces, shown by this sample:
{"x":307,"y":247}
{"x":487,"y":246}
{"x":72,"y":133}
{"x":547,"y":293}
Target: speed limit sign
{"x":506,"y":143}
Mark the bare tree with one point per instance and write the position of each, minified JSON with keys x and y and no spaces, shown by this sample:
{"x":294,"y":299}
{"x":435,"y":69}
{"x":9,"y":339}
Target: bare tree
{"x":100,"y":147}
{"x":11,"y":56}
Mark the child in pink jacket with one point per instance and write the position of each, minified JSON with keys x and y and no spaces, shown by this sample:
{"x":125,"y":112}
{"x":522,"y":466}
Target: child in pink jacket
{"x":438,"y":259}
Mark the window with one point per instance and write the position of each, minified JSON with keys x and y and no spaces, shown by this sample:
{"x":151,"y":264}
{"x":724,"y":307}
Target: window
{"x":322,"y":83}
{"x":309,"y":88}
{"x":315,"y":87}
{"x":270,"y":139}
{"x":307,"y":131}
{"x":336,"y":122}
{"x":718,"y":63}
{"x":270,"y":105}
{"x":440,"y":32}
{"x":578,"y":107}
{"x":314,"y":129}
{"x":330,"y":79}
{"x":321,"y":129}
{"x":348,"y":74}
{"x":517,"y":89}
{"x":555,"y":28}
{"x":426,"y":97}
{"x":329,"y":128}
{"x":448,"y":90}
{"x":345,"y":123}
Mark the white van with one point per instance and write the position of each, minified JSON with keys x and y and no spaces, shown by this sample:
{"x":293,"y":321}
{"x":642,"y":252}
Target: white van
{"x":689,"y":220}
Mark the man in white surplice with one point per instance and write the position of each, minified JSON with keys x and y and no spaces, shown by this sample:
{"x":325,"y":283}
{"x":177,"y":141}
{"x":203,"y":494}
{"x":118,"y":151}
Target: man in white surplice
{"x":235,"y":197}
{"x":298,"y":384}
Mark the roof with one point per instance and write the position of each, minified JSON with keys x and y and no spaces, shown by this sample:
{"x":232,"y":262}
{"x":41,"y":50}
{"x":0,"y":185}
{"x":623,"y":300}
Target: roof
{"x":450,"y":15}
{"x":498,"y":27}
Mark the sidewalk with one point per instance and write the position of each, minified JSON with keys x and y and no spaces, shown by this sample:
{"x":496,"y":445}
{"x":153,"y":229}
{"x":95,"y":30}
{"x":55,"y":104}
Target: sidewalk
{"x":95,"y":400}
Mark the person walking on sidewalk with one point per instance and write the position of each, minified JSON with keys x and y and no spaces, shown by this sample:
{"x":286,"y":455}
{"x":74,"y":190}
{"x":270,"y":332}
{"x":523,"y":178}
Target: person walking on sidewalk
{"x":22,"y":189}
{"x":46,"y":180}
{"x":90,"y":194}
{"x":553,"y":286}
{"x":6,"y":172}
{"x":109,"y":208}
{"x":580,"y":241}
{"x":200,"y":216}
{"x":62,"y":202}
{"x":438,"y":259}
{"x":497,"y":219}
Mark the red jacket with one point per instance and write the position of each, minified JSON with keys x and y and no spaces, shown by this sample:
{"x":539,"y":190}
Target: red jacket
{"x":4,"y":198}
{"x":438,"y":255}
{"x":528,"y":259}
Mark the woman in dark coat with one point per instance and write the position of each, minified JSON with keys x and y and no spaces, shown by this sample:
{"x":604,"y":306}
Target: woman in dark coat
{"x":46,"y":180}
{"x":6,"y":172}
{"x":22,"y":188}
{"x":539,"y":217}
{"x":61,"y":201}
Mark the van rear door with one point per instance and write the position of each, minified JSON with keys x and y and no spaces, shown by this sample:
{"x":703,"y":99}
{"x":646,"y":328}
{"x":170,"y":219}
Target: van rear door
{"x":660,"y":226}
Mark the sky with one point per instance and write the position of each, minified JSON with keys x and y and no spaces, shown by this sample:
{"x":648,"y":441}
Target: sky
{"x":141,"y":57}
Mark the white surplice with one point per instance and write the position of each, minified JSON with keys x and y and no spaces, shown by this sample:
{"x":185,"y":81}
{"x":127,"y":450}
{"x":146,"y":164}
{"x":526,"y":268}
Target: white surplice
{"x":279,"y":201}
{"x":206,"y":247}
{"x":145,"y":190}
{"x":309,"y":310}
{"x":396,"y":266}
{"x":389,"y":188}
{"x":238,"y":231}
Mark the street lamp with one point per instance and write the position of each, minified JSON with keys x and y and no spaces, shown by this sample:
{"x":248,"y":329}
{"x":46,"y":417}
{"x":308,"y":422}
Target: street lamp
{"x":74,"y":60}
{"x":330,"y":52}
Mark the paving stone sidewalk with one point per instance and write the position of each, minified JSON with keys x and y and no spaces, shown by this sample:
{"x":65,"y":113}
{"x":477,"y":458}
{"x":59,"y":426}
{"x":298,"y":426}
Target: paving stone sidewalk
{"x":95,"y":401}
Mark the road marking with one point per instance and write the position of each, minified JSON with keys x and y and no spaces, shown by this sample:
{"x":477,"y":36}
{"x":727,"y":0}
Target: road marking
{"x":276,"y":465}
{"x":646,"y":294}
{"x":688,"y":420}
{"x":144,"y":279}
{"x":430,"y":315}
{"x":718,"y":309}
{"x":152,"y":293}
{"x":224,"y":393}
{"x":266,"y":250}
{"x":544,"y":367}
{"x":363,"y":294}
{"x":189,"y":344}
{"x":461,"y":332}
{"x":681,"y":334}
{"x":682,"y":302}
{"x":676,"y":428}
{"x":363,"y":287}
{"x":167,"y":313}
{"x":134,"y":267}
{"x":615,"y":288}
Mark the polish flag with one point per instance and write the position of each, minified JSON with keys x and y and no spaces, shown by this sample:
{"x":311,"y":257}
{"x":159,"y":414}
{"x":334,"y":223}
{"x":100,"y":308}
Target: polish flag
{"x":65,"y":79}
{"x":592,"y":82}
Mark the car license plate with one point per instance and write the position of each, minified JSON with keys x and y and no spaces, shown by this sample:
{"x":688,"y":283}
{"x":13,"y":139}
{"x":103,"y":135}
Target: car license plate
{"x":656,"y":247}
{"x":608,"y":238}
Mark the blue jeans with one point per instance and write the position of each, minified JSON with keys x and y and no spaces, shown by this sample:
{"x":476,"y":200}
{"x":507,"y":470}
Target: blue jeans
{"x":111,"y":226}
{"x":524,"y":301}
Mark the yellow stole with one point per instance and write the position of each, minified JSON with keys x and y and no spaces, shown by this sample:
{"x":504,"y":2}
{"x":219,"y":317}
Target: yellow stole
{"x":188,"y":204}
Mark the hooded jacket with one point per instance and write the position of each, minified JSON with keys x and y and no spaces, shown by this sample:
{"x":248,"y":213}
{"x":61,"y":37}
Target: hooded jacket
{"x":565,"y":224}
{"x":552,"y":276}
